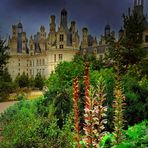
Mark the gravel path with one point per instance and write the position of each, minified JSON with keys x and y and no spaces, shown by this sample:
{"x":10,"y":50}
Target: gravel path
{"x":5,"y":105}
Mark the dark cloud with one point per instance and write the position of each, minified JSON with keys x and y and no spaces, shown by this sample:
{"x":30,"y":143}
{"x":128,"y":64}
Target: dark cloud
{"x":26,"y":5}
{"x":94,"y":14}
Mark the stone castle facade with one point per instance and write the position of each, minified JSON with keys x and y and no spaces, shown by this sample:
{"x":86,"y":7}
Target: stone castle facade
{"x":42,"y":52}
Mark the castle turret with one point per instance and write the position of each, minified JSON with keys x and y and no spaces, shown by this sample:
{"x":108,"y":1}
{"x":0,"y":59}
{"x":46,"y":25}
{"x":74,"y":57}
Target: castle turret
{"x":14,"y":32}
{"x":107,"y":31}
{"x":64,"y":18}
{"x":77,"y":39}
{"x":42,"y":32}
{"x":94,"y":44}
{"x":42,"y":41}
{"x":31,"y":46}
{"x":52,"y":33}
{"x":19,"y":37}
{"x":13,"y":40}
{"x":138,"y":7}
{"x":20,"y":27}
{"x":84,"y":43}
{"x":24,"y":43}
{"x":74,"y":38}
{"x":52,"y":23}
{"x":73,"y":27}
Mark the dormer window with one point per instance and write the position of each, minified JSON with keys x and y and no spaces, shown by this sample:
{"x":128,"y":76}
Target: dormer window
{"x":61,"y":37}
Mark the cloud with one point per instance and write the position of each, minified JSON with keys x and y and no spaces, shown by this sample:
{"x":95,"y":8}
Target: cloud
{"x":34,"y":5}
{"x":94,"y":14}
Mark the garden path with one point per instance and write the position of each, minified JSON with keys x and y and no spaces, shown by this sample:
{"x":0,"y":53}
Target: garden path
{"x":5,"y":105}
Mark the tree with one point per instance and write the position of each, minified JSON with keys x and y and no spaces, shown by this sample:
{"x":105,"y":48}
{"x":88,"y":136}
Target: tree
{"x":5,"y":80}
{"x":128,"y":50}
{"x":22,"y":80}
{"x":4,"y":56}
{"x":39,"y":81}
{"x":96,"y":64}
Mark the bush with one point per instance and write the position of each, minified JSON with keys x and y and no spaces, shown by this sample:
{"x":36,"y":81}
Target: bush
{"x":136,"y":136}
{"x":24,"y":127}
{"x":136,"y":93}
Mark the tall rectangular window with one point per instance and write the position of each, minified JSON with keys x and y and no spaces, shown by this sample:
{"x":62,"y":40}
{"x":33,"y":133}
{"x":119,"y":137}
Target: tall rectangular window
{"x":146,"y":38}
{"x":54,"y":57}
{"x":60,"y":57}
{"x":61,"y":37}
{"x":43,"y":62}
{"x":40,"y":62}
{"x":61,"y":46}
{"x":30,"y":63}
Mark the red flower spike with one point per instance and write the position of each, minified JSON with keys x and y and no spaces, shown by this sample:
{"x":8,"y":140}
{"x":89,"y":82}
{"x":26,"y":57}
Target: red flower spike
{"x":76,"y":112}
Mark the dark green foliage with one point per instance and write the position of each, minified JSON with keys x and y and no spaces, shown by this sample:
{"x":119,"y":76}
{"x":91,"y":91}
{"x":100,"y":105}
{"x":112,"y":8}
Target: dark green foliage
{"x":96,"y":64}
{"x":6,"y":85}
{"x":128,"y":50}
{"x":39,"y":81}
{"x":136,"y":93}
{"x":143,"y":67}
{"x":60,"y":88}
{"x":4,"y":56}
{"x":31,"y":82}
{"x":44,"y":122}
{"x":134,"y":137}
{"x":24,"y":127}
{"x":22,"y":80}
{"x":134,"y":26}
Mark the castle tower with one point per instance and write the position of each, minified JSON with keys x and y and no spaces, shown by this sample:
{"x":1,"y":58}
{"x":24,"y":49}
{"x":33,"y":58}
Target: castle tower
{"x":94,"y":44}
{"x":13,"y":41}
{"x":138,"y":7}
{"x":24,"y":43}
{"x":74,"y":34}
{"x":107,"y":31}
{"x":84,"y":43}
{"x":77,"y":40}
{"x":31,"y":46}
{"x":73,"y":26}
{"x":64,"y":18}
{"x":14,"y":31}
{"x":52,"y":33}
{"x":52,"y":23}
{"x":42,"y":32}
{"x":42,"y":42}
{"x":19,"y":37}
{"x":138,"y":2}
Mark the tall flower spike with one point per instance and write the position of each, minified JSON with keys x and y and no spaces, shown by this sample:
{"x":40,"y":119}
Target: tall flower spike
{"x":88,"y":110}
{"x":99,"y":113}
{"x":86,"y":79}
{"x":94,"y":116}
{"x":76,"y":112}
{"x":118,"y":105}
{"x":94,"y":112}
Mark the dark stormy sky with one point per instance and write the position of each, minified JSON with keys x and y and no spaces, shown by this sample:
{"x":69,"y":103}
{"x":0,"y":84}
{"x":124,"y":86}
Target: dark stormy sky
{"x":94,"y":14}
